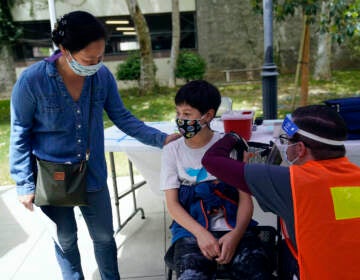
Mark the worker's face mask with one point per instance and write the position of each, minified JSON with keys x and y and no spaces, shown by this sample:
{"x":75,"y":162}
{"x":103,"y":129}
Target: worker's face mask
{"x":283,"y":146}
{"x":189,"y":128}
{"x":83,"y":70}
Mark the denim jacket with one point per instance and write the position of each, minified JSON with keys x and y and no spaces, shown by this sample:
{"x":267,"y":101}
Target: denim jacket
{"x":201,"y":199}
{"x":47,"y":123}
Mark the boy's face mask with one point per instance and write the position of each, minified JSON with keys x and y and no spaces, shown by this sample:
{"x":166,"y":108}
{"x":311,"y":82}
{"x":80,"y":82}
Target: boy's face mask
{"x":189,"y":128}
{"x":83,"y":70}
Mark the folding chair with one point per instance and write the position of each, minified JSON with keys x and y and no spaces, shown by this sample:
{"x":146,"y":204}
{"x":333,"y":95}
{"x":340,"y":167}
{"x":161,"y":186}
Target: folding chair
{"x":269,"y":238}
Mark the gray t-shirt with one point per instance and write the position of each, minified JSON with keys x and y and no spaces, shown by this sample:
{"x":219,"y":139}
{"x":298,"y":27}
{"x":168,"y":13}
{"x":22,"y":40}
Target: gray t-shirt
{"x":270,"y":185}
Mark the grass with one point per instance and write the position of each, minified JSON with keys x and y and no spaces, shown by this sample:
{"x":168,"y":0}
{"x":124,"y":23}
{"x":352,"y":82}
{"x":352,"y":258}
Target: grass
{"x":342,"y":84}
{"x":159,"y":106}
{"x":4,"y":142}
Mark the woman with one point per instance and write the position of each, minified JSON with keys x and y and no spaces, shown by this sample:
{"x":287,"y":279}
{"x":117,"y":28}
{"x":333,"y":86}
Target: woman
{"x":56,"y":115}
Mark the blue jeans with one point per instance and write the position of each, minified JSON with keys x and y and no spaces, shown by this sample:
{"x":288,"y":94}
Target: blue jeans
{"x":98,"y":218}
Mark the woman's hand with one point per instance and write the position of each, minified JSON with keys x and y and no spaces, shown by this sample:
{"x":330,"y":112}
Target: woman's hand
{"x":27,"y":201}
{"x":171,"y":137}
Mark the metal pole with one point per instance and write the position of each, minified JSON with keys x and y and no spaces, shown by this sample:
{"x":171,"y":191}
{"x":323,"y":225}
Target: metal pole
{"x":52,"y":16}
{"x":269,"y":73}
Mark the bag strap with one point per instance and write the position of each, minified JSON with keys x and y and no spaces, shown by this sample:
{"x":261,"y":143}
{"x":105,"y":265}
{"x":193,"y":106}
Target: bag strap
{"x":87,"y":155}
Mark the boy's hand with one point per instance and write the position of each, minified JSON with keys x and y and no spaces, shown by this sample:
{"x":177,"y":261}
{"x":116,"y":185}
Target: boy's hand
{"x":208,"y":245}
{"x":228,"y":244}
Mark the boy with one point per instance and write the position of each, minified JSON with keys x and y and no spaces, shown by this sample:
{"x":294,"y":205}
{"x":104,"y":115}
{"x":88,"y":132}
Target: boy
{"x":211,"y":219}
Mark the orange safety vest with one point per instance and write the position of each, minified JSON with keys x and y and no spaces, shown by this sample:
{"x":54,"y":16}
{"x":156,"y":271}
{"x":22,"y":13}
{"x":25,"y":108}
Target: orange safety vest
{"x":326,"y":197}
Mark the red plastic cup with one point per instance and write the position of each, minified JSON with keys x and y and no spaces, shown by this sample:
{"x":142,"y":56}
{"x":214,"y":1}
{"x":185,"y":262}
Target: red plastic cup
{"x":240,"y":122}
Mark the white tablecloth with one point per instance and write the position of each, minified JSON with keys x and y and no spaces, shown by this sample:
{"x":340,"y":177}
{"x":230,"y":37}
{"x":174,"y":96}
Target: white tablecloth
{"x":147,"y":158}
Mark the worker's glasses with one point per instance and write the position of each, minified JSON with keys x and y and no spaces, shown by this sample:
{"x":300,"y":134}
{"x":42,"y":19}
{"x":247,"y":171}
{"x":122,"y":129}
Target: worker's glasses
{"x":284,"y":139}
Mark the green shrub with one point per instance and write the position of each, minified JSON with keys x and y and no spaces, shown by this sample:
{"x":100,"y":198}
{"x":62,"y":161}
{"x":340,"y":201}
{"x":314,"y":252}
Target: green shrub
{"x":130,"y":68}
{"x":190,"y":66}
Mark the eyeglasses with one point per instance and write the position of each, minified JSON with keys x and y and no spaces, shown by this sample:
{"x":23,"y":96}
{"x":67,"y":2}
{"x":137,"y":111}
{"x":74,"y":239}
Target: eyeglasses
{"x":284,"y":139}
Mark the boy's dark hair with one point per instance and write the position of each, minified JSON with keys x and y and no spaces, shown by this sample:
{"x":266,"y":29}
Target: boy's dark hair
{"x":322,"y":121}
{"x":75,"y":30}
{"x":200,"y":95}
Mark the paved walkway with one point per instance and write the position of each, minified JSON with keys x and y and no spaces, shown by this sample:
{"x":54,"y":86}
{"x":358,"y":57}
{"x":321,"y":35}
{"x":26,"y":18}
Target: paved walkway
{"x":26,"y":248}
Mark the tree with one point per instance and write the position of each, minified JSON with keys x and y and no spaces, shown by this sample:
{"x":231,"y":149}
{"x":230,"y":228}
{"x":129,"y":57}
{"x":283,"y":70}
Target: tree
{"x":147,"y":75}
{"x":130,"y":69}
{"x":322,"y":68}
{"x":175,"y":43}
{"x":9,"y":33}
{"x":339,"y":19}
{"x":343,"y":21}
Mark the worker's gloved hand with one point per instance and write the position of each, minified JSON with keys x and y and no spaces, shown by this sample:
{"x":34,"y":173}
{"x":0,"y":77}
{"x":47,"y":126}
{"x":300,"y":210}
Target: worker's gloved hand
{"x":240,"y":147}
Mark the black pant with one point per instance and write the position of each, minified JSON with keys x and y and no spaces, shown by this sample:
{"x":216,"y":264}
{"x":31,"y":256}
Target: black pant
{"x":288,"y":266}
{"x":249,"y":262}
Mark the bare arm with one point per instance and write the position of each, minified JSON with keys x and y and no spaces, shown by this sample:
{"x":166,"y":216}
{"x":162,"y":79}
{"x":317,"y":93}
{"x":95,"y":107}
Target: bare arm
{"x":230,"y":240}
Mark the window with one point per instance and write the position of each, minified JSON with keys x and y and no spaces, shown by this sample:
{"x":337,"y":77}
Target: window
{"x":121,"y":35}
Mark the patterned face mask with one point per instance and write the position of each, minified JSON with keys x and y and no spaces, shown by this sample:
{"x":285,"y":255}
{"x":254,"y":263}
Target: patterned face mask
{"x":82,"y":70}
{"x":189,"y":128}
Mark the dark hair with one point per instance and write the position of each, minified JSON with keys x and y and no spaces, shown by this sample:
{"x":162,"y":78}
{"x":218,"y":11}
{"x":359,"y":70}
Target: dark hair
{"x":75,"y":30}
{"x":200,"y":95}
{"x":322,"y":121}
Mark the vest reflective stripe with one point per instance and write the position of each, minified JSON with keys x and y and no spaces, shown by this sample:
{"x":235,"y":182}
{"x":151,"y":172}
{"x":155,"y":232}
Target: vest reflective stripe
{"x":327,"y":231}
{"x":287,"y":239}
{"x":346,"y":202}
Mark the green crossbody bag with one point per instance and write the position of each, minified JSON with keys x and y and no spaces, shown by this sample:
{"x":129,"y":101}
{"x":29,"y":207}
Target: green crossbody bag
{"x":61,"y":184}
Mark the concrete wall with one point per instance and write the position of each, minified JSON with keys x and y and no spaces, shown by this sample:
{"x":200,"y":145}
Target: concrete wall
{"x":38,"y":9}
{"x":229,"y":34}
{"x":162,"y":73}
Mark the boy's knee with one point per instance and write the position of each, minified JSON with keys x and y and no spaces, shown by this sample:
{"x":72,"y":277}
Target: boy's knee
{"x":195,"y":266}
{"x":252,"y":264}
{"x":190,"y":274}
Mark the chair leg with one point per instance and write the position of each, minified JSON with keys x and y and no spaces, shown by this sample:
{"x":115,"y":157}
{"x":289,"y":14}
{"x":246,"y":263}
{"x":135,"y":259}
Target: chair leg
{"x":169,"y":274}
